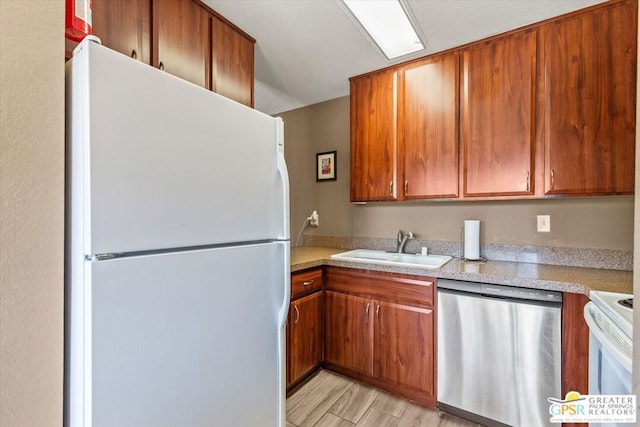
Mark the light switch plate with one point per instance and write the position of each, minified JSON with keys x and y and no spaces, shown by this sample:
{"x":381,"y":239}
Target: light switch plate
{"x":544,"y":223}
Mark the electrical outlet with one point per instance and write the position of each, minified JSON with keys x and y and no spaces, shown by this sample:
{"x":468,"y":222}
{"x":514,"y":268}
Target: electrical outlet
{"x":314,"y":219}
{"x":544,"y":223}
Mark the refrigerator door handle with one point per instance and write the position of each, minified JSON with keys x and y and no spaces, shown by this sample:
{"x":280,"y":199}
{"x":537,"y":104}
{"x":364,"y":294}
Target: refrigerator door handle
{"x":283,"y":312}
{"x":284,"y":178}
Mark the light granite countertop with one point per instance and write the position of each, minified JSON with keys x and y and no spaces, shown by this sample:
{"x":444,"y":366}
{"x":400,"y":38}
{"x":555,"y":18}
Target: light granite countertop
{"x":578,"y":280}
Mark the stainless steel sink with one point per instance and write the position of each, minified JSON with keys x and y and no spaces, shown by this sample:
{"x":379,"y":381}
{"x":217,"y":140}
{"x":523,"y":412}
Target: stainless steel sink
{"x":392,"y":258}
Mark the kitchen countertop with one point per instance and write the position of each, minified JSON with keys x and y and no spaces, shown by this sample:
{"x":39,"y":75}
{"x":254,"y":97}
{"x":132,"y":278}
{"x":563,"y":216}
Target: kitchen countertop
{"x":577,"y":280}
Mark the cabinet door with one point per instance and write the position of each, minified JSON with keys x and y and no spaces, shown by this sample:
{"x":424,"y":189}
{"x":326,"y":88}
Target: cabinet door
{"x":428,"y":127}
{"x":349,"y":332}
{"x":497,"y":117}
{"x":181,"y":40}
{"x":306,"y":335}
{"x":124,"y":26}
{"x":404,"y":346}
{"x":231,"y":62}
{"x":373,"y":137}
{"x":588,"y":87}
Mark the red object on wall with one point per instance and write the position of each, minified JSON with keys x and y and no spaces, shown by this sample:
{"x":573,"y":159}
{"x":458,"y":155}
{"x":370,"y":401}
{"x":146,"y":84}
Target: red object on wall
{"x":77,"y":19}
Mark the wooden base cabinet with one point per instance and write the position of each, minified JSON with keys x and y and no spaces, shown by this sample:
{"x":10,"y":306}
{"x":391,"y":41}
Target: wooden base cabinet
{"x":575,"y":344}
{"x":349,"y":332}
{"x":380,"y":329}
{"x":304,"y":326}
{"x":404,"y":337}
{"x":305,"y":334}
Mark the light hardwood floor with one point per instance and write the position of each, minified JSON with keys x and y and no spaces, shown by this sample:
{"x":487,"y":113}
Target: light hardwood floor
{"x":331,"y":400}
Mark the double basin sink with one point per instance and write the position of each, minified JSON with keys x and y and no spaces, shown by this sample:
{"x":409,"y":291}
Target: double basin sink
{"x":394,"y":258}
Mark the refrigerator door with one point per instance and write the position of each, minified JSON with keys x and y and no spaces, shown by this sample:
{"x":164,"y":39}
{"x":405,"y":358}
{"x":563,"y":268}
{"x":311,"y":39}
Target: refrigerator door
{"x":183,"y":339}
{"x":157,"y":162}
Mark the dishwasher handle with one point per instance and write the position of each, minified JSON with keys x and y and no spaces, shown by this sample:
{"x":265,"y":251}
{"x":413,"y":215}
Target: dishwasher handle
{"x":501,"y":291}
{"x":502,"y":298}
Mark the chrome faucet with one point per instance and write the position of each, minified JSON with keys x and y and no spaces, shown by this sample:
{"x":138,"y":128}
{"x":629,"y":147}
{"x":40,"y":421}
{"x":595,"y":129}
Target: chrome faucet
{"x":402,"y":240}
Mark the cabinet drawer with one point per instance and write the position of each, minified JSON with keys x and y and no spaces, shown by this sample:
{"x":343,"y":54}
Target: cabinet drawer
{"x":305,"y":282}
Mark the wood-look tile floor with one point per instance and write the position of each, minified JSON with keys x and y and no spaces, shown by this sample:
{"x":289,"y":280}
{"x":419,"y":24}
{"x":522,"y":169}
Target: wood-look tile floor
{"x":331,"y":400}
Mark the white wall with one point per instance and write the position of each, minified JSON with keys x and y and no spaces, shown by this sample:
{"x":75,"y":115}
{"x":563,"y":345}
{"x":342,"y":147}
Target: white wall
{"x":31,"y":211}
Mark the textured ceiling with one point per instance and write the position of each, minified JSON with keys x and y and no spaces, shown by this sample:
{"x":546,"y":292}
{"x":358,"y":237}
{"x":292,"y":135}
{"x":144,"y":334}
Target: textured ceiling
{"x":307,"y":49}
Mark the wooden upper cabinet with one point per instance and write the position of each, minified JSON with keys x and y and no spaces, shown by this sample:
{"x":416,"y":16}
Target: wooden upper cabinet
{"x":587,"y":90}
{"x":181,"y":40}
{"x":231,"y":62}
{"x":428,"y":128}
{"x":498,"y":116}
{"x":373,"y":137}
{"x":183,"y":37}
{"x":124,"y":26}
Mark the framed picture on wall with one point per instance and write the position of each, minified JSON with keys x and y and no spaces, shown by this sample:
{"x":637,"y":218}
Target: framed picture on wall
{"x":326,"y":166}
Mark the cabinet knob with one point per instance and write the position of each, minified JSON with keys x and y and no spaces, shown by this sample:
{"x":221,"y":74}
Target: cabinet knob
{"x":305,"y":284}
{"x":366,"y":312}
{"x":553,"y":179}
{"x":134,"y":54}
{"x":161,"y":66}
{"x":528,"y":183}
{"x":406,"y":187}
{"x":295,"y":307}
{"x":378,"y":312}
{"x":391,"y":188}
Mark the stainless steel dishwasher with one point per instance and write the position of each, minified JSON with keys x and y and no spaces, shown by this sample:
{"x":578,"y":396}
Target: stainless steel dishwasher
{"x":498,"y":352}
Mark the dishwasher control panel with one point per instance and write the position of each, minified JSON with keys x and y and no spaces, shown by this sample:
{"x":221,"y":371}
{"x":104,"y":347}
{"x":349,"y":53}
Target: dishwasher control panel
{"x":501,"y":291}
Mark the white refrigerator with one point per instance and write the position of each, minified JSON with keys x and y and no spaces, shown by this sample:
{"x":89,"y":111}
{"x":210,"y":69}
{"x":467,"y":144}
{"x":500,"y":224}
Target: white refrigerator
{"x":177,"y":258}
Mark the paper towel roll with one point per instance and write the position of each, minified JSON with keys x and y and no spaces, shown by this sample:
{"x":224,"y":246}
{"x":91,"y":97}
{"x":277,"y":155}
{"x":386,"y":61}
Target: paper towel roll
{"x":472,"y":239}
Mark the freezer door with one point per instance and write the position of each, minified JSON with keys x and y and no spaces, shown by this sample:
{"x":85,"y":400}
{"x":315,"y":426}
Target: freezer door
{"x":184,"y":339}
{"x":157,"y":162}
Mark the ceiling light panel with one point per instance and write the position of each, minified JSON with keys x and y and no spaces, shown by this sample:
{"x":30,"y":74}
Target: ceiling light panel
{"x":387,"y":23}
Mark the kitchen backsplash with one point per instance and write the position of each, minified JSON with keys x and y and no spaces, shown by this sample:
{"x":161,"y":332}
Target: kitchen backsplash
{"x":575,"y":257}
